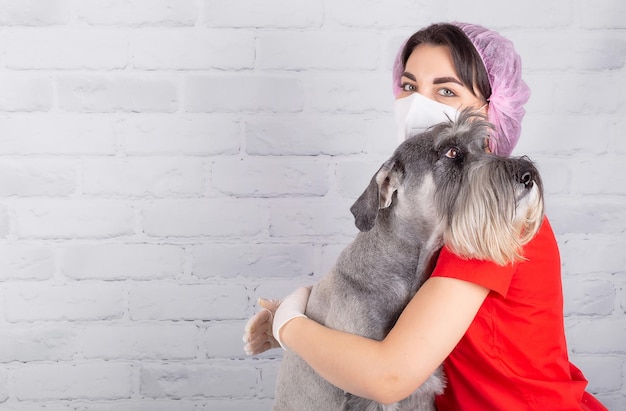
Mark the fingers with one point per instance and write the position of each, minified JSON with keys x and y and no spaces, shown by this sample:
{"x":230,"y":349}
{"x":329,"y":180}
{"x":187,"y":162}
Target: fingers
{"x":259,"y":342}
{"x":258,"y":330}
{"x":256,"y":338}
{"x":256,"y":346}
{"x":258,"y":320}
{"x":254,"y":349}
{"x":271,"y":305}
{"x":257,"y":333}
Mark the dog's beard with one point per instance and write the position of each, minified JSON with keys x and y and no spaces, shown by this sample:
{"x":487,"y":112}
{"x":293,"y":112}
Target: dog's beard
{"x":530,"y":212}
{"x":493,"y":217}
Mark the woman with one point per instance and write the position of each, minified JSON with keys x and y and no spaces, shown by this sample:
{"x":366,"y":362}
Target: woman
{"x":498,"y":330}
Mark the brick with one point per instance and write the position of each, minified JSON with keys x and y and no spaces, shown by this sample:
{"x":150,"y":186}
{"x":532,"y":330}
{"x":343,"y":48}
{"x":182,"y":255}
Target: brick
{"x":604,"y":15}
{"x":138,"y":13}
{"x":380,"y":135}
{"x":309,"y":218}
{"x":353,"y":177}
{"x":73,"y":219}
{"x":533,"y":13}
{"x":218,"y":339}
{"x":252,"y":260}
{"x":4,"y":385}
{"x":26,"y":262}
{"x":193,"y":49}
{"x":370,"y":14}
{"x":239,"y":404}
{"x":213,"y":217}
{"x":268,"y":177}
{"x":346,"y":93}
{"x":318,"y":50}
{"x":72,"y":302}
{"x":596,"y":175}
{"x":40,"y":343}
{"x":29,"y":406}
{"x":607,"y":253}
{"x":74,"y":134}
{"x":22,"y":92}
{"x":140,"y":342}
{"x":66,"y":49}
{"x":144,"y":404}
{"x":34,"y":12}
{"x":194,"y":134}
{"x":588,"y":296}
{"x":612,"y":401}
{"x":603,"y":374}
{"x":284,"y":14}
{"x":211,"y":380}
{"x":122,"y":261}
{"x":609,"y":336}
{"x":563,"y":134}
{"x":171,"y":301}
{"x":306,"y":135}
{"x":96,"y":93}
{"x":617,"y":125}
{"x":570,"y":50}
{"x":40,"y":177}
{"x":573,"y":94}
{"x":586,"y":215}
{"x":72,"y":381}
{"x":143,"y":177}
{"x":4,"y":221}
{"x":265,"y":93}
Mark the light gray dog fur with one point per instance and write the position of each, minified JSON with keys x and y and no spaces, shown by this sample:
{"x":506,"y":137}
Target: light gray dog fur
{"x":403,"y":217}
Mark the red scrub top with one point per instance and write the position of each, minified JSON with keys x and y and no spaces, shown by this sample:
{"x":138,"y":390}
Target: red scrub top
{"x":514,"y":355}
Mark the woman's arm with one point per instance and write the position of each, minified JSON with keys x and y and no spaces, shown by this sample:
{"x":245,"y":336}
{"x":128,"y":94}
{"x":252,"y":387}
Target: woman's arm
{"x":387,"y":371}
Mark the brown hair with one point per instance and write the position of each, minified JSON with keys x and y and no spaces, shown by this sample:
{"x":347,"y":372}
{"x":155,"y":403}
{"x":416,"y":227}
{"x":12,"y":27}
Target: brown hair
{"x":467,"y":62}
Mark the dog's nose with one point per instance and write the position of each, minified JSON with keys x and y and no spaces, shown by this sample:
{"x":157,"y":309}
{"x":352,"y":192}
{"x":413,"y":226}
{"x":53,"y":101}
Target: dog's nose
{"x":527,"y":179}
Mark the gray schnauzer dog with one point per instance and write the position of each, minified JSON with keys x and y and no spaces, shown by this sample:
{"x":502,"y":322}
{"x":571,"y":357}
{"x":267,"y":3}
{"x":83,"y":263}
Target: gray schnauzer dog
{"x":440,"y":187}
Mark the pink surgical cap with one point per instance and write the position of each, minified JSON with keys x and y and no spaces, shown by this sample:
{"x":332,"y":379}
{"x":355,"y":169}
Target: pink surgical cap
{"x":509,"y":93}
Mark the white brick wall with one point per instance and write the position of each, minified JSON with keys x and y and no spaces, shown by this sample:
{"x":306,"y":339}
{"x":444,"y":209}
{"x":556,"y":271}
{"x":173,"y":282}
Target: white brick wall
{"x":165,"y":162}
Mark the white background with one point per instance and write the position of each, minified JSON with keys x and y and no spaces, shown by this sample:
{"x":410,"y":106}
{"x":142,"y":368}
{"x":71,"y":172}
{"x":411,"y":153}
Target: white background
{"x":163,"y":163}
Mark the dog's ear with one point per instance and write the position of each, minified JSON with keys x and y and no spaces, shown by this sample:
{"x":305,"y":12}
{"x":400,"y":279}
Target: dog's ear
{"x":377,"y":195}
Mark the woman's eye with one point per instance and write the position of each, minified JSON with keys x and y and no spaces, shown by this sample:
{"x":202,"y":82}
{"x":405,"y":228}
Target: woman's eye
{"x":453,"y":152}
{"x":446,"y":92}
{"x":408,"y":87}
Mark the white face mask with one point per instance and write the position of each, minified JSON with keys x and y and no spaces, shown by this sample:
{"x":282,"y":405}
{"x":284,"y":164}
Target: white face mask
{"x":415,"y":113}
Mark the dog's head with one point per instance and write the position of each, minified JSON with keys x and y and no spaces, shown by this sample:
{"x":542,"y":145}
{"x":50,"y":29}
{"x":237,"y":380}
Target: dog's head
{"x":484,"y":206}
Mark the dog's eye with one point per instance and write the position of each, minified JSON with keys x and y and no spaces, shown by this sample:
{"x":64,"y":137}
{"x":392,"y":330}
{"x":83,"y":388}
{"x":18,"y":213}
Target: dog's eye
{"x":453,"y":152}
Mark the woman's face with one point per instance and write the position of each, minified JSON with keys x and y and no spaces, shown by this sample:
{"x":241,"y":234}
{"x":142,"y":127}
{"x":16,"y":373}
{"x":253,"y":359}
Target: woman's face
{"x":430,"y":72}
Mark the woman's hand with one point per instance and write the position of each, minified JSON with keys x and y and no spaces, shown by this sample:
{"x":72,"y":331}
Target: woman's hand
{"x":387,"y":371}
{"x":261,"y":332}
{"x":293,"y":306}
{"x":258,"y":332}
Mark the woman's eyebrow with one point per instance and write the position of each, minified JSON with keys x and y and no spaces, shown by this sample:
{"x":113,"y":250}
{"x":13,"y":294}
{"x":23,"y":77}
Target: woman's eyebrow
{"x":442,"y":80}
{"x":409,"y":76}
